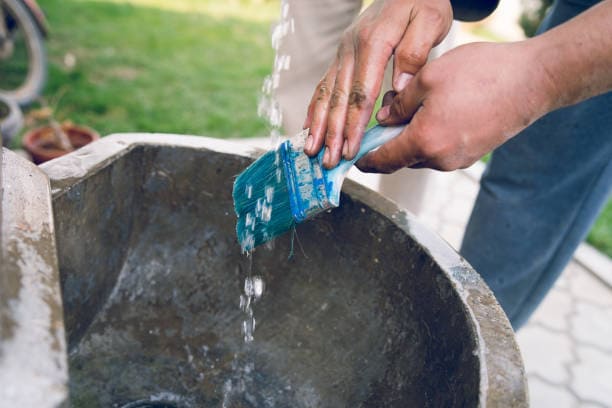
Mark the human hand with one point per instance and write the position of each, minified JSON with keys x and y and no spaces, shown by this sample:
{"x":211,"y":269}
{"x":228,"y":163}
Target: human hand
{"x":344,"y":99}
{"x":461,"y":106}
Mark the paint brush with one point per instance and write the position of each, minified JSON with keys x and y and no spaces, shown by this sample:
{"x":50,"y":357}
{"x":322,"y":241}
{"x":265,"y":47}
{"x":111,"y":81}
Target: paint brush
{"x":285,"y":187}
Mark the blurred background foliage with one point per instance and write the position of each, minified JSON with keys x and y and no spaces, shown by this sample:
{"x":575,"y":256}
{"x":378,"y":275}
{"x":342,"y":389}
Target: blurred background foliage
{"x":533,"y":14}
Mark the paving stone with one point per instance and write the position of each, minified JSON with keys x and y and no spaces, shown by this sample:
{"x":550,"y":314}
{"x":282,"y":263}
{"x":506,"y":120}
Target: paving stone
{"x":543,"y":395}
{"x":586,"y":287}
{"x":553,"y":312}
{"x":596,"y":261}
{"x":593,"y":375}
{"x":563,"y":281}
{"x":545,"y":353}
{"x":459,"y":209}
{"x":593,"y":325}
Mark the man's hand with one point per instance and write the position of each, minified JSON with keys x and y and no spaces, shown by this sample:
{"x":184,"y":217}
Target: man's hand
{"x":344,"y":99}
{"x":461,"y":106}
{"x":475,"y":97}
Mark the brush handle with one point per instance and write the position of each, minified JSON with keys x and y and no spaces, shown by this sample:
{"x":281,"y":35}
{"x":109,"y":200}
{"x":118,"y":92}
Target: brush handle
{"x":373,"y":138}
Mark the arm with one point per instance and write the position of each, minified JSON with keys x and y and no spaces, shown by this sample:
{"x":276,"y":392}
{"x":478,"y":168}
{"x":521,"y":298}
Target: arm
{"x":476,"y":97}
{"x":577,"y":56}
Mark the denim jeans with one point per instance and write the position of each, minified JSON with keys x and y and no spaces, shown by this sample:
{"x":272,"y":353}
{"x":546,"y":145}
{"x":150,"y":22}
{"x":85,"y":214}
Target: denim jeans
{"x":539,"y":196}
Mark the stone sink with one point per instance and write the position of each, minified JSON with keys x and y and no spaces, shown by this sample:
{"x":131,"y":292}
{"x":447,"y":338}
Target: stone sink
{"x":121,"y":281}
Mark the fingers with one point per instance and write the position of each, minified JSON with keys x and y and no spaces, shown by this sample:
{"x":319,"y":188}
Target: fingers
{"x":344,"y":100}
{"x":424,"y":142}
{"x":403,"y":106}
{"x":316,"y":118}
{"x":405,"y":150}
{"x":388,"y":97}
{"x":392,"y":156}
{"x":427,"y":28}
{"x":386,"y":101}
{"x":338,"y":104}
{"x":369,"y":72}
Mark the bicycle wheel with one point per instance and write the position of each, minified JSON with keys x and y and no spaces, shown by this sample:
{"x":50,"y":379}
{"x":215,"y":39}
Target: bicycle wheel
{"x":23,"y":58}
{"x":11,"y":120}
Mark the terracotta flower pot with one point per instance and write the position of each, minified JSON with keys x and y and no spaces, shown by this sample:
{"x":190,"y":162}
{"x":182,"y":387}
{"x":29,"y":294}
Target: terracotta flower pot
{"x":43,"y":145}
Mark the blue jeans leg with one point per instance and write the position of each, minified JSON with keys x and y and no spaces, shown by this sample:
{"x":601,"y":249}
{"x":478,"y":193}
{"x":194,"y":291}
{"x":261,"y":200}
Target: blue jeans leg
{"x":539,"y":196}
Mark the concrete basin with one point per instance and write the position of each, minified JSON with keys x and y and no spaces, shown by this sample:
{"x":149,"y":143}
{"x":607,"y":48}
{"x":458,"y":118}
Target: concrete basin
{"x":364,"y":307}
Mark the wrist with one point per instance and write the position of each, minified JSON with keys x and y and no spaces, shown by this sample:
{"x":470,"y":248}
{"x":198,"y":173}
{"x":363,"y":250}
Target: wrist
{"x":544,"y":81}
{"x":530,"y":86}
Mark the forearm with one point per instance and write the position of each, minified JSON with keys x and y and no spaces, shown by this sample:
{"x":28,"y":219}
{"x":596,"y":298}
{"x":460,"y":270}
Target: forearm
{"x":575,"y":58}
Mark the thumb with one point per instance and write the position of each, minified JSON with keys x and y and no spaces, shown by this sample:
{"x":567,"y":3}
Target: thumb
{"x":402,"y":107}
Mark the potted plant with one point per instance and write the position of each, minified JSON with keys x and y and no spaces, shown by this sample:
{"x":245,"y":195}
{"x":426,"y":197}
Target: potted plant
{"x":53,"y":139}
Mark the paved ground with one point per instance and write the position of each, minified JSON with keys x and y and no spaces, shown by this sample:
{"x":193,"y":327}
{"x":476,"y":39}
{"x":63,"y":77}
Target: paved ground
{"x":567,"y":345}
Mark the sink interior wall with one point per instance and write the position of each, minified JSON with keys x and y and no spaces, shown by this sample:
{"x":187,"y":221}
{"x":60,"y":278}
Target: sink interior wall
{"x":151,"y":277}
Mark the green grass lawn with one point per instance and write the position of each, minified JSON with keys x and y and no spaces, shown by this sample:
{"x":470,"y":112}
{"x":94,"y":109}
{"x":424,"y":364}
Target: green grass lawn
{"x":178,"y":66}
{"x":181,"y":66}
{"x":601,"y":233}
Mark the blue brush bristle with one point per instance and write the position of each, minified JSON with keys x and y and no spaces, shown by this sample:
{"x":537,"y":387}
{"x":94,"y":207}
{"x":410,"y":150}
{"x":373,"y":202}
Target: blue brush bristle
{"x":261,"y":201}
{"x":285,"y":187}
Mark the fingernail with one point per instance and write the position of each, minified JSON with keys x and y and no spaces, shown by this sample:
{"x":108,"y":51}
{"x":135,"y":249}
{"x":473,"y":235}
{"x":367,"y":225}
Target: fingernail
{"x":308,"y":144}
{"x":383,"y":113}
{"x":345,"y":149}
{"x":326,"y":156}
{"x":401,"y":81}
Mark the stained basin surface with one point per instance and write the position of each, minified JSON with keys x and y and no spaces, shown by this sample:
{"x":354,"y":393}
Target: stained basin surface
{"x":362,"y":306}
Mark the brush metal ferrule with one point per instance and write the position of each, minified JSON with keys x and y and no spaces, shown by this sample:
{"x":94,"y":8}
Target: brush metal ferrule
{"x":305,"y":180}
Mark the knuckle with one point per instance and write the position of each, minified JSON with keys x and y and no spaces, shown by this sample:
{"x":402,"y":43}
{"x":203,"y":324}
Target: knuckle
{"x":323,"y":90}
{"x":369,"y":38}
{"x":363,"y":38}
{"x":434,"y":16}
{"x":358,"y":97}
{"x":427,"y":147}
{"x":415,"y":57}
{"x":399,"y":110}
{"x":342,"y":47}
{"x":333,"y":136}
{"x":338,"y":98}
{"x":432,"y":150}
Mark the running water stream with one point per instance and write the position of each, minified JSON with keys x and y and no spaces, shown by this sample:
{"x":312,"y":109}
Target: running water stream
{"x":268,"y":108}
{"x":237,"y":387}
